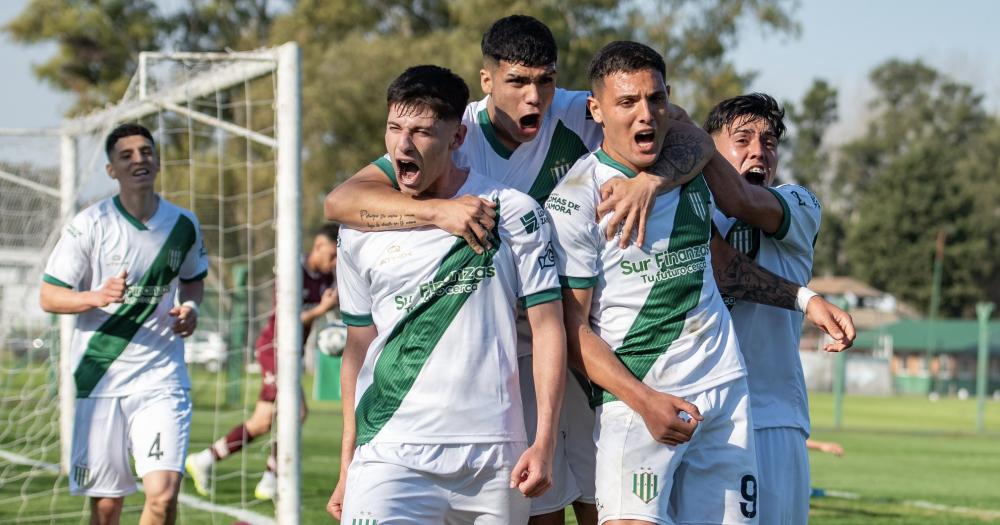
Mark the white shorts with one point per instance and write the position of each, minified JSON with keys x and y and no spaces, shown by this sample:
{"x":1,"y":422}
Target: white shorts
{"x":783,"y":462}
{"x":573,"y":462}
{"x":153,"y":426}
{"x":710,"y":479}
{"x":397,"y":483}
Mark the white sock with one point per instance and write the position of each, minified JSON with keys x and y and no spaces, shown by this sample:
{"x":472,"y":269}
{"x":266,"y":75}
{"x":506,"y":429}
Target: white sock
{"x":204,"y":458}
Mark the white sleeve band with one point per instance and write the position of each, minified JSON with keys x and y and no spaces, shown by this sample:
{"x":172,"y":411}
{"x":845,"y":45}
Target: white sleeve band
{"x":802,"y":298}
{"x":194,"y":306}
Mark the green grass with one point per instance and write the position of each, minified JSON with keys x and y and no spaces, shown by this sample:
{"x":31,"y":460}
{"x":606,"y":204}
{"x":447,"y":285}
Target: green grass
{"x":898,"y":450}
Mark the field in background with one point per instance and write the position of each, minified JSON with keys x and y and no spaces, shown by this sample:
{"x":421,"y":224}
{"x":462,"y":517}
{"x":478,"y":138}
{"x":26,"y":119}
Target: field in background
{"x":901,"y":453}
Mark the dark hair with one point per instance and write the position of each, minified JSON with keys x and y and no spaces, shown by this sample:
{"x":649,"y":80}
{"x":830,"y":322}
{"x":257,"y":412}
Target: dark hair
{"x":330,"y":230}
{"x":125,"y":130}
{"x":624,"y":56}
{"x":520,"y":39}
{"x":431,"y":87}
{"x":746,"y":108}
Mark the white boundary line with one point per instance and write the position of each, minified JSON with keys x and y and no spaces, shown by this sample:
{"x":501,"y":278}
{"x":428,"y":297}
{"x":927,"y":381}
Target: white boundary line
{"x":985,"y":514}
{"x":247,"y":516}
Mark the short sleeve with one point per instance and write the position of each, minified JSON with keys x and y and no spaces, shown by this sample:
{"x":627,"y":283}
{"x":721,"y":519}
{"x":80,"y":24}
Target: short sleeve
{"x":572,"y":208}
{"x":353,"y":287}
{"x":573,"y":111}
{"x":802,"y":216}
{"x":529,"y":233}
{"x":195,"y":265}
{"x":384,"y":164}
{"x":69,"y":264}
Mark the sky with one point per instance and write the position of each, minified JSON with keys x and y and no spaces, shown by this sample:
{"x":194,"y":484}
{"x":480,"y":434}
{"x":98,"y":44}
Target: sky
{"x":841,"y":41}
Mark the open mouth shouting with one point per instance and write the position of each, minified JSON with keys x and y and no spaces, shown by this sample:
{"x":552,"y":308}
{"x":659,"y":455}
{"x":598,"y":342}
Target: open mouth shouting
{"x":407,"y":171}
{"x":530,"y":124}
{"x":756,"y":175}
{"x":645,"y":141}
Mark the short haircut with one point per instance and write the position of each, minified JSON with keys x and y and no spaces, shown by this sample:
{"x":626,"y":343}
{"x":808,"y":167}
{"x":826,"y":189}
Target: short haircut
{"x":125,"y":130}
{"x":623,"y":56}
{"x":520,"y":39}
{"x":740,"y":110}
{"x":330,"y":230}
{"x":430,"y":87}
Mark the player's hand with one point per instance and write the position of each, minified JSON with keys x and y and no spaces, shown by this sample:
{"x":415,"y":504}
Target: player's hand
{"x":831,"y":448}
{"x":186,"y":320}
{"x":329,"y":300}
{"x":662,"y":414}
{"x":112,"y":291}
{"x":335,"y":507}
{"x":468,"y":217}
{"x":833,"y":321}
{"x":532,"y":474}
{"x":631,"y":200}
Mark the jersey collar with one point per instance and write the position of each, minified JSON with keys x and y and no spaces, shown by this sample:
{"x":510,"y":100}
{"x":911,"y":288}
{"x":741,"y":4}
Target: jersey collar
{"x":606,"y":159}
{"x":483,"y":118}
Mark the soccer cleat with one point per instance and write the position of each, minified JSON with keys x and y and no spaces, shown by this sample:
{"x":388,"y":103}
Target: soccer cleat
{"x":267,"y":487}
{"x":201,"y":474}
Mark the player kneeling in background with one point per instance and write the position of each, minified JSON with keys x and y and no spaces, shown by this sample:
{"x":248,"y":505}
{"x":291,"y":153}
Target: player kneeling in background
{"x":117,"y":266}
{"x":433,"y":424}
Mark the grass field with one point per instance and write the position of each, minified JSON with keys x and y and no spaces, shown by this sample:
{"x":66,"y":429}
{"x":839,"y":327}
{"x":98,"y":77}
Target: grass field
{"x":902,"y":454}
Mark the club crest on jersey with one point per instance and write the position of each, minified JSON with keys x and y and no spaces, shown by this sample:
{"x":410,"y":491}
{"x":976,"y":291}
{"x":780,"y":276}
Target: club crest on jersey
{"x":364,"y":518}
{"x":81,"y":476}
{"x":645,"y":484}
{"x":744,"y":238}
{"x":174,"y":259}
{"x":698,"y":205}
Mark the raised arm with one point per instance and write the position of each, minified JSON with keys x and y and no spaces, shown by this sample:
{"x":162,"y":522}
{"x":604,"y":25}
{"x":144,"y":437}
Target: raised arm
{"x":533,"y":473}
{"x":369,"y":202}
{"x":359,"y":338}
{"x":738,"y":276}
{"x":752,"y":204}
{"x":591,"y":355}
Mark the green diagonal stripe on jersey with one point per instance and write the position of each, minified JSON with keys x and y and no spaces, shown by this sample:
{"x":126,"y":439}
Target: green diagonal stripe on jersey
{"x":141,"y":300}
{"x":566,"y":147}
{"x":413,"y":339}
{"x":662,"y":316}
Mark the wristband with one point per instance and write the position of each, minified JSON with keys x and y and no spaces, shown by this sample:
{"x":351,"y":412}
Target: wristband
{"x":192,"y":305}
{"x":802,"y":298}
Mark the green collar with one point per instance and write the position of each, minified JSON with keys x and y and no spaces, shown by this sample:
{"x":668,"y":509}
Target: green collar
{"x":491,"y":134}
{"x":128,"y":216}
{"x":606,"y":159}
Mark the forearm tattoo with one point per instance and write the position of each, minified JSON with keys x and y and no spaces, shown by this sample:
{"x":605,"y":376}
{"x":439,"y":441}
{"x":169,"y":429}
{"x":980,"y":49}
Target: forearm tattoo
{"x":744,"y":280}
{"x":680,"y":154}
{"x":387,"y":221}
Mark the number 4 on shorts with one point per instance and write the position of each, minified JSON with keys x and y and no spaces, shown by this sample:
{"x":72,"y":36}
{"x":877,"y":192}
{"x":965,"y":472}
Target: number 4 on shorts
{"x":154,"y":450}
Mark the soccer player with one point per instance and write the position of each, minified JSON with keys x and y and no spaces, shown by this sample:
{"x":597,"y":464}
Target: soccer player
{"x":117,"y":266}
{"x":525,"y":133}
{"x":647,"y":324}
{"x":777,"y":229}
{"x":433,"y":425}
{"x":319,"y":296}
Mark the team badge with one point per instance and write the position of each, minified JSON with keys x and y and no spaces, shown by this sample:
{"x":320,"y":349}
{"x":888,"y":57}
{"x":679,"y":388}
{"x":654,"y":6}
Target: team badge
{"x":174,"y":259}
{"x":81,"y":476}
{"x":364,"y":518}
{"x":645,"y":484}
{"x":744,"y":238}
{"x":698,"y":205}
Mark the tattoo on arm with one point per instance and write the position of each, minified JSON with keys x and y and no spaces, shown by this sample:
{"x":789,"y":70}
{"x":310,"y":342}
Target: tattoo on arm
{"x":743,"y":279}
{"x":679,"y":155}
{"x":387,"y":221}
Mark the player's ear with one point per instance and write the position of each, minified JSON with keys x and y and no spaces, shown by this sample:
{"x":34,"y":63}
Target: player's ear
{"x":459,"y":137}
{"x":111,"y":172}
{"x":486,"y":79}
{"x":594,"y":107}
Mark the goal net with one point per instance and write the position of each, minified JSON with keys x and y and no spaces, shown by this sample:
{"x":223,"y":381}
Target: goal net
{"x":226,"y":130}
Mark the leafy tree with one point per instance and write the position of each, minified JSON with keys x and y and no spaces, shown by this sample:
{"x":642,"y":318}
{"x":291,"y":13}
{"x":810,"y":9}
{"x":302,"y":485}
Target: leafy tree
{"x":918,"y":170}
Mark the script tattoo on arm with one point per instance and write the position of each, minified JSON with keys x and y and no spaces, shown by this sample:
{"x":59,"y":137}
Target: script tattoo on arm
{"x":741,"y":278}
{"x":387,"y":221}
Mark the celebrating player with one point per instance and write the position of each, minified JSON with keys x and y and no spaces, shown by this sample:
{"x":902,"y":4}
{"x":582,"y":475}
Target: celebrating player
{"x":525,"y":133}
{"x":433,"y":423}
{"x":117,"y":266}
{"x":777,"y":229}
{"x":647,"y":322}
{"x":319,"y":297}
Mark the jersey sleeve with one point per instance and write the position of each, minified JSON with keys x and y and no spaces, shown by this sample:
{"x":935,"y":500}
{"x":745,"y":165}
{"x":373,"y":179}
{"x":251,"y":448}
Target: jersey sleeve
{"x":530,"y":235}
{"x":353,"y":287}
{"x":69,"y":264}
{"x":384,"y":163}
{"x":572,"y":208}
{"x":576,"y":115}
{"x":195,"y":265}
{"x":801,"y":220}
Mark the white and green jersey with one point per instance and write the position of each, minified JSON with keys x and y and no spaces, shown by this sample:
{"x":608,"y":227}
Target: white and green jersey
{"x":567,"y":133}
{"x":128,"y":347}
{"x":656,"y":306}
{"x":769,"y":336}
{"x":443,"y":368}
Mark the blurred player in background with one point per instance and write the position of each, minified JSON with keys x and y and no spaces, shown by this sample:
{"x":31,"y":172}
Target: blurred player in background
{"x":131,"y":267}
{"x":319,"y":296}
